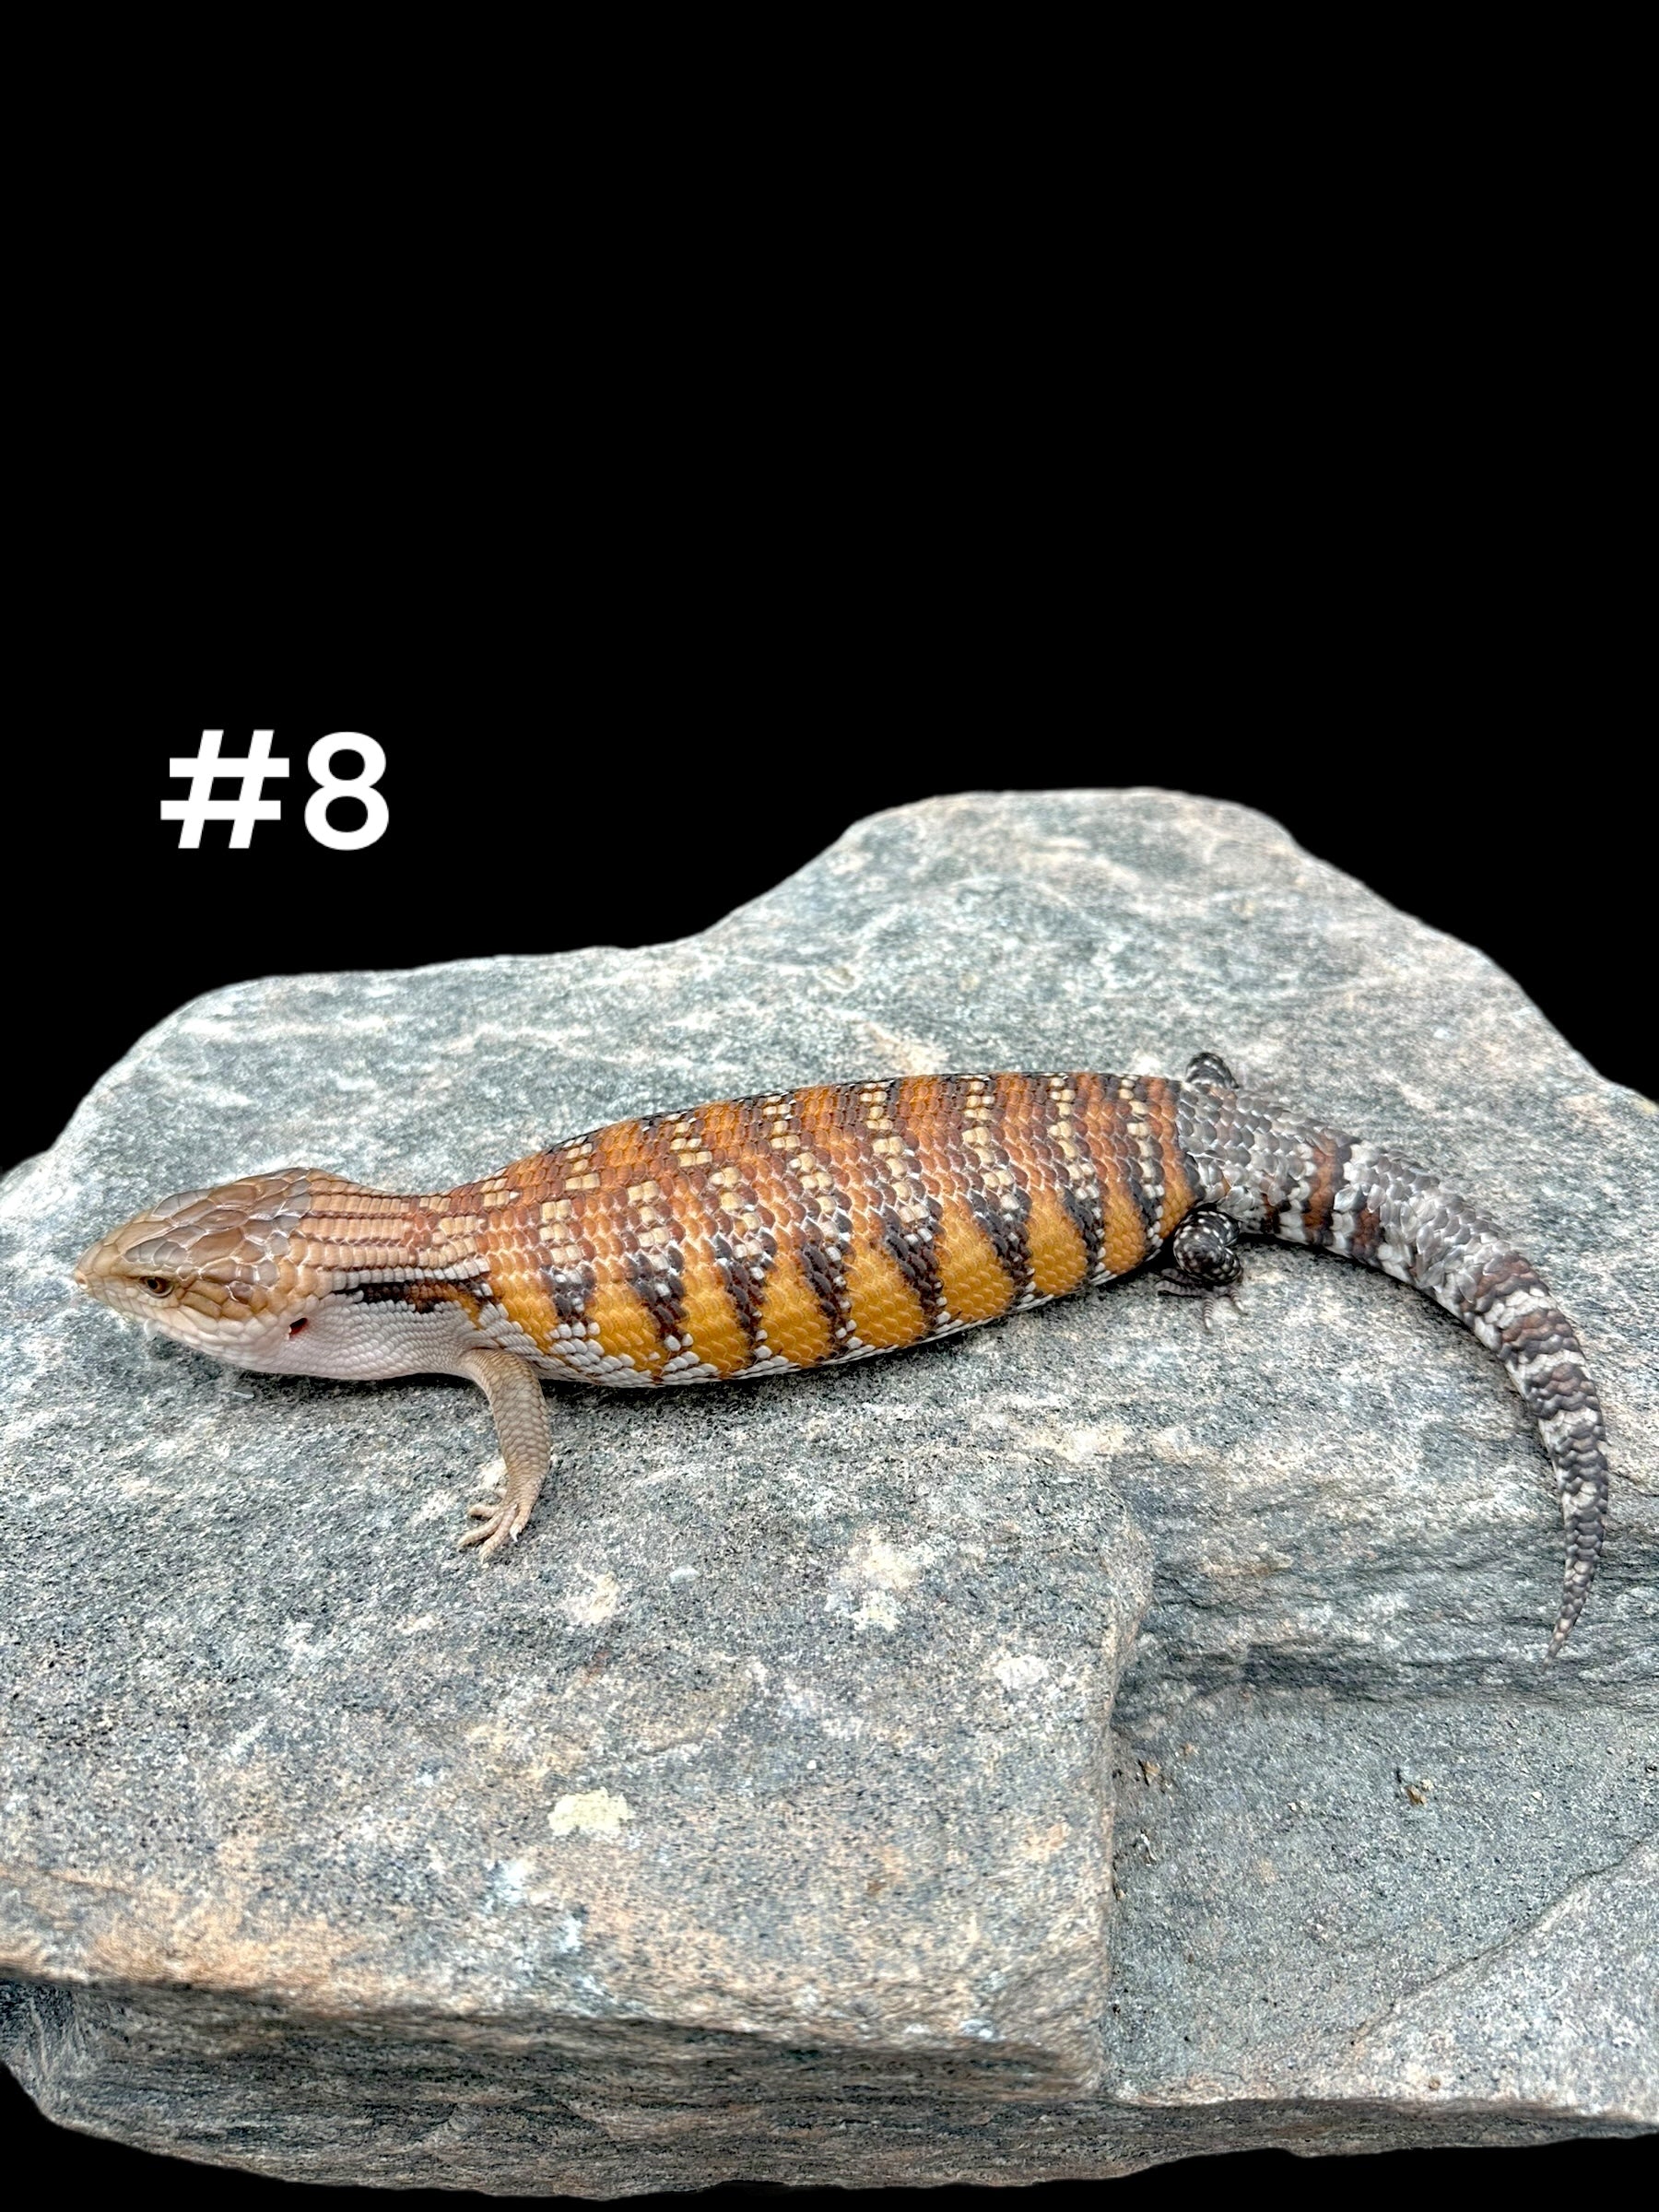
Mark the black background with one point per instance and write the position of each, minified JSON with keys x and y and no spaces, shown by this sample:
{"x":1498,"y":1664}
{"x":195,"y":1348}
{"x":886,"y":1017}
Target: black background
{"x":1524,"y":834}
{"x":1505,"y":813}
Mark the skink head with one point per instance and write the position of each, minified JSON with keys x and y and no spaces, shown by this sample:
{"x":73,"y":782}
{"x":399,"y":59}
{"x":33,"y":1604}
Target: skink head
{"x":296,"y":1272}
{"x":217,"y":1269}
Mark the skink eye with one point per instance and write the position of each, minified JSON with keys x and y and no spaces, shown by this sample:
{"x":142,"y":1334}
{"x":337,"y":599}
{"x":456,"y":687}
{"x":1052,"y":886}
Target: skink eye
{"x":157,"y":1284}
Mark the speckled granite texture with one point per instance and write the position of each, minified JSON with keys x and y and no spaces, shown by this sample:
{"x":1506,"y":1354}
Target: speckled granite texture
{"x":1079,"y":1743}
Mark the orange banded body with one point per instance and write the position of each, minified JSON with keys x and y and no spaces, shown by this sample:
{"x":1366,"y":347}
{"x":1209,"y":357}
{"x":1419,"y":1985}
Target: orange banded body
{"x":827,"y":1223}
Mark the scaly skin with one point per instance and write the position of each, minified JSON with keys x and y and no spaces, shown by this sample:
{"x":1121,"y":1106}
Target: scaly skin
{"x":754,"y":1236}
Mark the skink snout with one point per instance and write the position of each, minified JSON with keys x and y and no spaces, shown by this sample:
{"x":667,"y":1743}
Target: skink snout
{"x":102,"y":1269}
{"x":88,"y":1269}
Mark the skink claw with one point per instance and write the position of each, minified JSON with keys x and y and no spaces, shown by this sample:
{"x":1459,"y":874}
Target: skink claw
{"x":500,"y":1521}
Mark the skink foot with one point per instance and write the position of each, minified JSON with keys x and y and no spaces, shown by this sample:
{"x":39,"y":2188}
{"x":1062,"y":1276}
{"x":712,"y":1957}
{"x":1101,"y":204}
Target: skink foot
{"x":501,"y":1519}
{"x":1203,"y":1261}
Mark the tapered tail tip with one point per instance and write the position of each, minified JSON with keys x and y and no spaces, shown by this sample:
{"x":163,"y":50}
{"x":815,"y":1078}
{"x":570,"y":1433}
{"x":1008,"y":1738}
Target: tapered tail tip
{"x":1565,"y":1625}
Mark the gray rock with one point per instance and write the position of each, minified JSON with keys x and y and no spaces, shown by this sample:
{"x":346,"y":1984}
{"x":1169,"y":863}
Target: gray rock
{"x":1073,"y":1745}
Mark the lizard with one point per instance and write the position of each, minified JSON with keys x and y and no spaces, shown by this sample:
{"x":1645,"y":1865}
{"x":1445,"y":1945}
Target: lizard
{"x":796,"y":1229}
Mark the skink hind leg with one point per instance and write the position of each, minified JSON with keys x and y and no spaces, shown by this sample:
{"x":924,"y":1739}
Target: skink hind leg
{"x":1203,"y":1260}
{"x":1209,"y":1067}
{"x":515,"y":1397}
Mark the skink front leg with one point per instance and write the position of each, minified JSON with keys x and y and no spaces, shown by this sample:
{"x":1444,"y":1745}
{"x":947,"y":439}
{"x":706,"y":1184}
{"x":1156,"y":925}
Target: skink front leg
{"x":514,"y":1392}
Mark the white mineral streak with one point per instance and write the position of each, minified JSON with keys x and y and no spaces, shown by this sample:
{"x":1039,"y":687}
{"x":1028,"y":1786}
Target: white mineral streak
{"x":590,"y":1813}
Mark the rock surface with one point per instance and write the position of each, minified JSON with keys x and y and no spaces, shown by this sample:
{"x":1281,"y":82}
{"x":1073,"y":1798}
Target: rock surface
{"x":1077,"y":1744}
